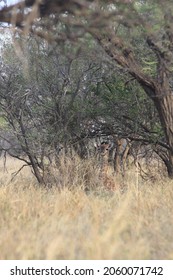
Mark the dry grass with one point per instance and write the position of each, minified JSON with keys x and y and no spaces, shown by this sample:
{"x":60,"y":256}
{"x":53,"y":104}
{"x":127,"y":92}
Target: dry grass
{"x":36,"y":223}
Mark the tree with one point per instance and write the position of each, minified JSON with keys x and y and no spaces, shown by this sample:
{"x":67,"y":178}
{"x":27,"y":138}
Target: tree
{"x":133,"y":34}
{"x":46,"y":103}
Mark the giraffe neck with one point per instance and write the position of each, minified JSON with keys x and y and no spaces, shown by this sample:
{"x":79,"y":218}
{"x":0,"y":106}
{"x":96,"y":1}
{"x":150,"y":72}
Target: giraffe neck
{"x":103,"y":167}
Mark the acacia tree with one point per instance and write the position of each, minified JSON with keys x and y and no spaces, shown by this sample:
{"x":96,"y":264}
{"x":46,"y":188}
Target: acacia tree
{"x":137,"y":35}
{"x":46,"y":106}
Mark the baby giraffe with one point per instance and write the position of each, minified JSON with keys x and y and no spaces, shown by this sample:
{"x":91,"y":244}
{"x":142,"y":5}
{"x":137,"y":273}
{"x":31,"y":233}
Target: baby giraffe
{"x":103,"y":151}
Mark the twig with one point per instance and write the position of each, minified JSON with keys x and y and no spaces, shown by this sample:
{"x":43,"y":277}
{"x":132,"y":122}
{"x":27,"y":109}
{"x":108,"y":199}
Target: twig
{"x":14,"y":174}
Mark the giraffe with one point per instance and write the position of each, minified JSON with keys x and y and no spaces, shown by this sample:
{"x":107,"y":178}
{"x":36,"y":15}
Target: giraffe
{"x":122,"y":149}
{"x":103,"y":151}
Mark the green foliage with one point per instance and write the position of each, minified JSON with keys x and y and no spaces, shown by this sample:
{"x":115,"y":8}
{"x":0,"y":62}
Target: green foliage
{"x":3,"y":123}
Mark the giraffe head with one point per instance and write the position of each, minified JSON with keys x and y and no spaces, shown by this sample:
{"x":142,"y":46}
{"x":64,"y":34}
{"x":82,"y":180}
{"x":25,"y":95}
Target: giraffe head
{"x":103,"y":148}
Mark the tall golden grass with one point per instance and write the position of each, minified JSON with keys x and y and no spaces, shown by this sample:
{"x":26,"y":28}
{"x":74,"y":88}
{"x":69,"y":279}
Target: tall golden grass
{"x":40,"y":223}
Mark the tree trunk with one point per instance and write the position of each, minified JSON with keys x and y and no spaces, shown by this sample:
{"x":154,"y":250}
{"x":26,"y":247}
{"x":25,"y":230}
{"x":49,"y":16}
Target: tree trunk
{"x":164,"y":105}
{"x":169,"y":166}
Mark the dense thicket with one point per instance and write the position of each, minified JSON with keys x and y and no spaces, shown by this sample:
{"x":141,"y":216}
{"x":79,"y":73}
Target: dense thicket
{"x":101,"y":68}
